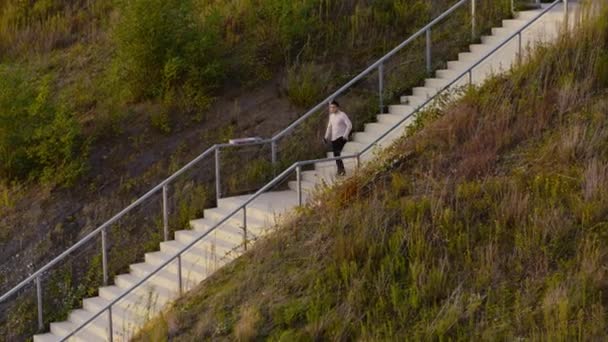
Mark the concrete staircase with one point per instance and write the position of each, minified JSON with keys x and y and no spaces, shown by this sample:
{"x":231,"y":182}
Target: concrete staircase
{"x":226,"y":243}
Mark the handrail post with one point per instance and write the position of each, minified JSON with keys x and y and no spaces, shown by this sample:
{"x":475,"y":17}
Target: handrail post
{"x":381,"y":86}
{"x":179,"y":274}
{"x":245,"y":227}
{"x":218,"y":185}
{"x":299,"y":182}
{"x":104,"y":255}
{"x":519,"y":54}
{"x":566,"y":15}
{"x":358,"y":160}
{"x":273,"y":152}
{"x":513,"y":8}
{"x":165,"y":212}
{"x":473,"y":19}
{"x":39,"y":298}
{"x":110,"y":325}
{"x":429,"y":62}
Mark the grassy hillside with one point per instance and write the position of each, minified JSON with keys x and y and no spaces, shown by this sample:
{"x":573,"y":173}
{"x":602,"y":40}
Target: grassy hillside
{"x":487,"y":222}
{"x":99,"y":100}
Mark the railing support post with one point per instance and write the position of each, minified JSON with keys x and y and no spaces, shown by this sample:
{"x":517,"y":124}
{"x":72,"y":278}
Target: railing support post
{"x":245,"y":227}
{"x":519,"y":54}
{"x":358,"y":161}
{"x":381,"y":86}
{"x":165,"y":212}
{"x":273,"y":151}
{"x":104,"y":255}
{"x":299,"y":181}
{"x":566,"y":15}
{"x":218,"y":183}
{"x":473,"y":19}
{"x":110,"y":325}
{"x":39,"y":298}
{"x":179,"y":274}
{"x":470,"y":77}
{"x":429,"y":61}
{"x":513,"y":8}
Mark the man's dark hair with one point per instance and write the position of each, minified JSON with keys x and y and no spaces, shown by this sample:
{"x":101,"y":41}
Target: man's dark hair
{"x":335,"y":103}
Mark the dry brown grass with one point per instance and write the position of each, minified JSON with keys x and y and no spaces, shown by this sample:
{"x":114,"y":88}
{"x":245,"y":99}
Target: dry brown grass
{"x":246,"y":329}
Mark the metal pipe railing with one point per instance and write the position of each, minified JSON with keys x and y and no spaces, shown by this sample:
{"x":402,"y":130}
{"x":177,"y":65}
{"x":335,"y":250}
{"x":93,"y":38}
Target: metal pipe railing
{"x":216,"y":149}
{"x":298,"y":168}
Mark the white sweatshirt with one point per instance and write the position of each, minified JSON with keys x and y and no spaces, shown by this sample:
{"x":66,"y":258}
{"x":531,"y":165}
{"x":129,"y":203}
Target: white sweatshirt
{"x":339,"y":125}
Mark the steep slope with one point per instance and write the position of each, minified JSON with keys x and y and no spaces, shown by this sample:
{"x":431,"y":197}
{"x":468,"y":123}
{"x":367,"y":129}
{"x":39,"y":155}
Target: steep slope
{"x":136,"y":306}
{"x":487,"y":222}
{"x":65,"y":58}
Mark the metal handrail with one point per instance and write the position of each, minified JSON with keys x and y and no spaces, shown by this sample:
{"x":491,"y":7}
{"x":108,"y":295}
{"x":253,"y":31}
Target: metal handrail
{"x":297,"y":166}
{"x":216,"y":148}
{"x":116,"y":217}
{"x":253,"y":197}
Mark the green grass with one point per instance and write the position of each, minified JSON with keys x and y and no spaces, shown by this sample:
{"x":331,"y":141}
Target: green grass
{"x":487,"y":222}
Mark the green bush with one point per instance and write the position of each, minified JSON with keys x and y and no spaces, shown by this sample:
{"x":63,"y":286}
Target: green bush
{"x":38,"y":139}
{"x":162,"y":50}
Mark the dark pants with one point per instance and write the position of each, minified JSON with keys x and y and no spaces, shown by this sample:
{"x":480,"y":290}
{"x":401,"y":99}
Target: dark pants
{"x":337,"y":146}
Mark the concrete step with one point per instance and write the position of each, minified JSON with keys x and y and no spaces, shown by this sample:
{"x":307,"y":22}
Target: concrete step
{"x":458,"y":66}
{"x":437,"y":83}
{"x":424,"y":91}
{"x":469,"y":57}
{"x":62,"y":329}
{"x":389,"y":119}
{"x":155,"y":292}
{"x":307,"y":186}
{"x":513,"y":23}
{"x":502,"y":31}
{"x":48,"y":337}
{"x":228,"y":233}
{"x":318,"y":177}
{"x":377,"y":128}
{"x":416,"y":101}
{"x":192,"y":274}
{"x":446,"y":74}
{"x":365,"y":138}
{"x":480,"y":48}
{"x":492,"y":40}
{"x":330,"y":166}
{"x":99,"y":326}
{"x":255,"y":218}
{"x":127,"y":315}
{"x":352,"y":147}
{"x":527,"y":15}
{"x":400,"y":109}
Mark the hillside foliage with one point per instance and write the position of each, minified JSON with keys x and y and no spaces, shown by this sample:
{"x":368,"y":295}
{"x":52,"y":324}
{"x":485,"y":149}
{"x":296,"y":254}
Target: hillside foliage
{"x":487,"y":221}
{"x":107,"y":57}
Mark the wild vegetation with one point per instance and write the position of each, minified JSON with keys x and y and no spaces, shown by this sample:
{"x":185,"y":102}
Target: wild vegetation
{"x":106,"y":97}
{"x":487,"y":221}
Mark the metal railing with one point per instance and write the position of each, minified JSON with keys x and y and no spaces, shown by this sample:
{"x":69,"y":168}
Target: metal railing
{"x":297,"y":167}
{"x":215,"y":152}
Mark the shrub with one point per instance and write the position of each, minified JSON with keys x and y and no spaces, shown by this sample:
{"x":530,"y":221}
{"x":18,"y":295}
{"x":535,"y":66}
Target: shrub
{"x":38,"y":139}
{"x":163,"y":51}
{"x":307,"y":84}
